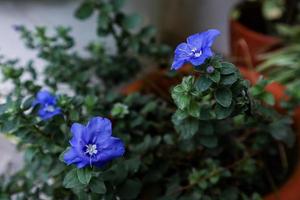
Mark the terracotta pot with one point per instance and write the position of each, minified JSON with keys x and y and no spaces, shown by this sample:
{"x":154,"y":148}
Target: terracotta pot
{"x":246,"y":44}
{"x":156,"y":82}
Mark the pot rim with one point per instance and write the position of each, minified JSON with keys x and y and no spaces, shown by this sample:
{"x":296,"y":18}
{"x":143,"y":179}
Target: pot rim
{"x":235,"y":24}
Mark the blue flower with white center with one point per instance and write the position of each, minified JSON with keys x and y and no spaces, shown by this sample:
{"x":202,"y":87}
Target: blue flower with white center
{"x":47,"y":105}
{"x":93,"y":145}
{"x":196,"y":50}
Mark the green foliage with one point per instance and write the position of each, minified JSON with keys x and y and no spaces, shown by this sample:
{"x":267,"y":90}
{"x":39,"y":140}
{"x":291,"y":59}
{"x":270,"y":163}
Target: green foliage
{"x":132,"y":43}
{"x":227,"y":119}
{"x":283,"y":66}
{"x":216,"y":145}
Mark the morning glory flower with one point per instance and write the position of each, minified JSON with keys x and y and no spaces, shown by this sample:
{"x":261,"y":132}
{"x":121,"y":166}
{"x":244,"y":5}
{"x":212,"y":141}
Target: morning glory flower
{"x":93,"y":145}
{"x":196,"y":50}
{"x":47,"y":105}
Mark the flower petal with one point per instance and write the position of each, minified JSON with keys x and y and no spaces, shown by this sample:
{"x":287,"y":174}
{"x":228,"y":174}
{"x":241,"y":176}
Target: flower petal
{"x":207,"y":52}
{"x":98,"y":129}
{"x":183,"y":48}
{"x":82,"y":164}
{"x":195,"y":41}
{"x":209,"y":37}
{"x":46,"y":97}
{"x":113,"y":148}
{"x":77,"y":131}
{"x":71,"y":157}
{"x":45,"y":115}
{"x":198,"y":61}
{"x":182,"y":54}
{"x":177,"y":64}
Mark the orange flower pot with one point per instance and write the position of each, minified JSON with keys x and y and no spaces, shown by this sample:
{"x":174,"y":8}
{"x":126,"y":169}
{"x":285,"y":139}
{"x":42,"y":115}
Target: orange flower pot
{"x":156,"y":82}
{"x":246,"y":44}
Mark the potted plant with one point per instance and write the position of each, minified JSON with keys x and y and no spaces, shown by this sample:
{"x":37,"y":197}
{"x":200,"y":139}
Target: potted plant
{"x":216,"y":140}
{"x":219,"y":144}
{"x":252,"y":35}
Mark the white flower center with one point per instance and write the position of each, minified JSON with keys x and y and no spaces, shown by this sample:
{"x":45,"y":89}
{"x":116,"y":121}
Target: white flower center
{"x":50,"y":108}
{"x":196,"y":52}
{"x":91,"y":149}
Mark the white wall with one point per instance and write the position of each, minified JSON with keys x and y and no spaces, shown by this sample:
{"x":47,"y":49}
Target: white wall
{"x":174,"y":18}
{"x":35,"y":12}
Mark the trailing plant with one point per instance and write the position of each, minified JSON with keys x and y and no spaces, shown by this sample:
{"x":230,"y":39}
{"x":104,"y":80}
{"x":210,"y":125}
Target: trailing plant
{"x":131,"y":44}
{"x":220,"y":140}
{"x":226,"y":138}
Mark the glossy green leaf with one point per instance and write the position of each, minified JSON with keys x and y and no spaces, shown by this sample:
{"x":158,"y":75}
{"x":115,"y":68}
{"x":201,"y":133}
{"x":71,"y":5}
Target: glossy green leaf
{"x":97,"y":186}
{"x":203,"y":83}
{"x":71,"y":179}
{"x":223,"y":96}
{"x":85,"y":10}
{"x":84,"y":175}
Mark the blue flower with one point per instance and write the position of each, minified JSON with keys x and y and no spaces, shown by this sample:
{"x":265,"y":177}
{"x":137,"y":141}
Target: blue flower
{"x":93,"y":144}
{"x":47,"y":105}
{"x":196,"y":50}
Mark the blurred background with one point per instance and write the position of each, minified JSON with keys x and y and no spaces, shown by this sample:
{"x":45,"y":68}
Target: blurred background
{"x":173,"y":19}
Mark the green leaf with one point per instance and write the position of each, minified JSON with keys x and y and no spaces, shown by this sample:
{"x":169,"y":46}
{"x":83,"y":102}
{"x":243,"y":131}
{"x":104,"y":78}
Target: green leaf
{"x":268,"y":98}
{"x":209,"y":141}
{"x":131,"y":21}
{"x":227,"y":68}
{"x":178,"y":116}
{"x":188,"y":83}
{"x":223,"y":96}
{"x":74,"y":115}
{"x":84,"y":175}
{"x":30,"y":154}
{"x":148,"y":32}
{"x":229,"y":79}
{"x":133,"y":164}
{"x":223,"y":112}
{"x":130,"y":189}
{"x":181,"y":99}
{"x":117,"y":173}
{"x":203,"y":83}
{"x":84,"y":11}
{"x":103,"y":24}
{"x":118,"y":4}
{"x":61,"y":156}
{"x":215,"y":77}
{"x":187,"y":128}
{"x":230,"y":193}
{"x":97,"y":186}
{"x":71,"y":179}
{"x":206,"y":128}
{"x":281,"y":130}
{"x":205,"y":112}
{"x":194,"y":109}
{"x":28,"y":103}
